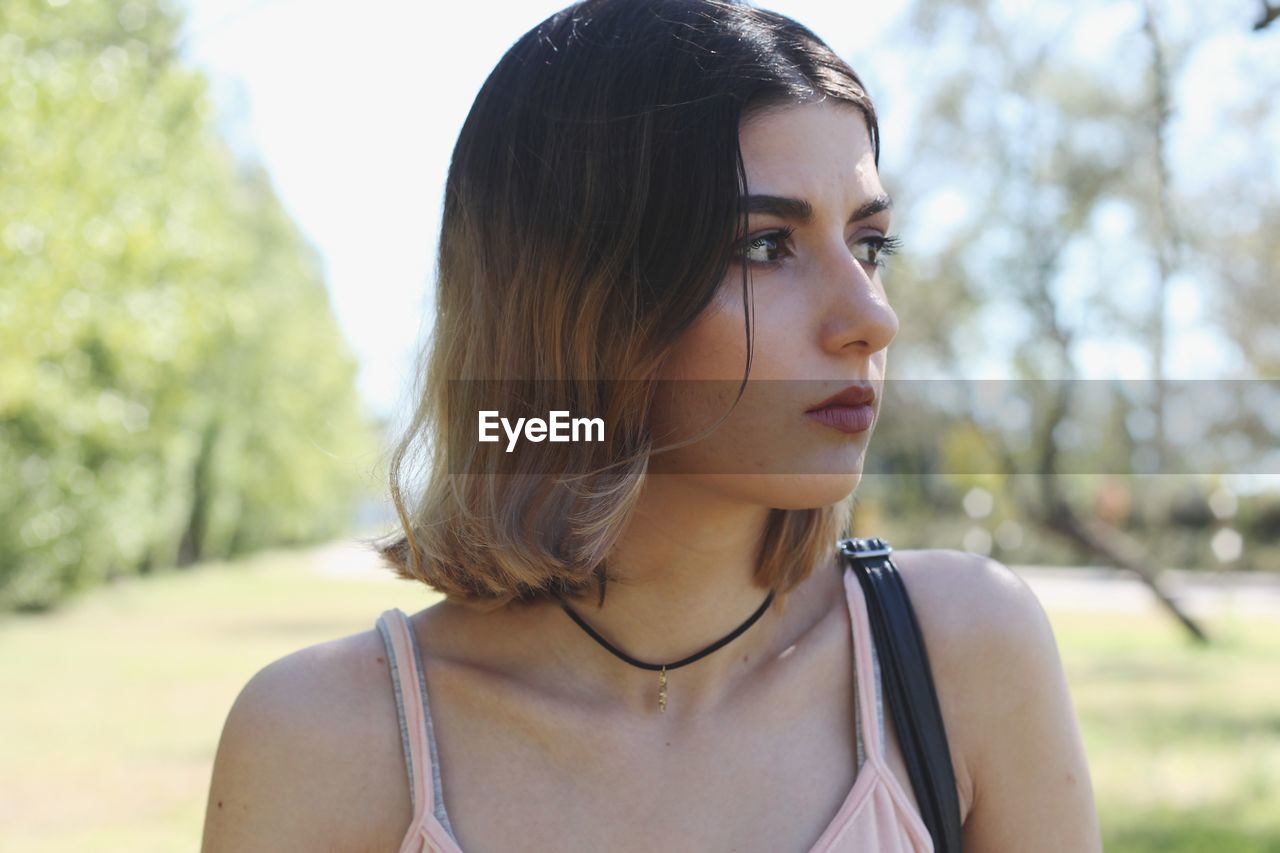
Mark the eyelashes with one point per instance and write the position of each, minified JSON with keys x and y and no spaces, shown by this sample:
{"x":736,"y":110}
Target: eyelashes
{"x":881,"y":246}
{"x":890,"y":244}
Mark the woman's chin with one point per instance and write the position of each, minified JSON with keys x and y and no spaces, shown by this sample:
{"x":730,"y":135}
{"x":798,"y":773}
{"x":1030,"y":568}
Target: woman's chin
{"x":786,"y":491}
{"x":810,"y":491}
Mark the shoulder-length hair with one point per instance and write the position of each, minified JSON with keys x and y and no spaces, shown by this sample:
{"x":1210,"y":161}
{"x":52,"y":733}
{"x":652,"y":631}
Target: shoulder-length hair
{"x":591,"y":210}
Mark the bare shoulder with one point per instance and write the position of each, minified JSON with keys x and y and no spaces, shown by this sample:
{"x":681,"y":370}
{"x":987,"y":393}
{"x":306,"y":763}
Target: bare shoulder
{"x":963,"y":597}
{"x":310,"y":756}
{"x":1020,"y":760}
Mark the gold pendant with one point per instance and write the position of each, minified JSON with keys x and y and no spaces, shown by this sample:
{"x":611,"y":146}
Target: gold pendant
{"x":662,"y":690}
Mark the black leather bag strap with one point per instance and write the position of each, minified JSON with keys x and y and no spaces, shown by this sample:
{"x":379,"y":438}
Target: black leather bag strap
{"x":908,"y":685}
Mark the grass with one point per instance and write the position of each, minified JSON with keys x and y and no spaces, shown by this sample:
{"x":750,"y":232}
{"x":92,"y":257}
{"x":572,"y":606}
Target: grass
{"x":1183,"y":740}
{"x":111,"y":708}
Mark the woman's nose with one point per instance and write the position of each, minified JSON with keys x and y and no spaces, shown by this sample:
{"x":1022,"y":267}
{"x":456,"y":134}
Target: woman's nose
{"x":855,"y":312}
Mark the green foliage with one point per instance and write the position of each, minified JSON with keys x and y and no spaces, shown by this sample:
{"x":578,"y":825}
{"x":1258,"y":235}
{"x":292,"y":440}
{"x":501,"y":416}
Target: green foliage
{"x":172,"y":382}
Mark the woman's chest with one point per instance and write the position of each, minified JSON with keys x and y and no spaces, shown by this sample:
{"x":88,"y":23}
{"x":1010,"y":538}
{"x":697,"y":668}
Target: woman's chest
{"x":764,"y":787}
{"x":773,"y":772}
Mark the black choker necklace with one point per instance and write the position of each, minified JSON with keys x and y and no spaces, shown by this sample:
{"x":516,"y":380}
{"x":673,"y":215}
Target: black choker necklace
{"x":662,"y":680}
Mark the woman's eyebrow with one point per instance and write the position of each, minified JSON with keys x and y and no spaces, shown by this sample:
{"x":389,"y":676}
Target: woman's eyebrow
{"x":799,"y":210}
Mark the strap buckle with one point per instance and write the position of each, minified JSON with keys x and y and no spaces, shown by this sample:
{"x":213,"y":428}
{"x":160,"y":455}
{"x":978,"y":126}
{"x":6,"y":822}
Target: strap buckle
{"x":872,"y":546}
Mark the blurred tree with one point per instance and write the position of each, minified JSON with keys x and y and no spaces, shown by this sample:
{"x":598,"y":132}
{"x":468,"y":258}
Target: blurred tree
{"x":1042,"y":147}
{"x":172,"y":383}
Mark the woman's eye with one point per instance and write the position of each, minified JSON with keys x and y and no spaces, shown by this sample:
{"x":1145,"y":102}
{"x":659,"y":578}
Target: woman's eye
{"x":767,"y":248}
{"x":876,"y":247}
{"x":771,"y":248}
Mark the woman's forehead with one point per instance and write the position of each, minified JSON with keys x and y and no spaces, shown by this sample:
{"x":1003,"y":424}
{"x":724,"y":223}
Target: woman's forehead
{"x":809,"y":147}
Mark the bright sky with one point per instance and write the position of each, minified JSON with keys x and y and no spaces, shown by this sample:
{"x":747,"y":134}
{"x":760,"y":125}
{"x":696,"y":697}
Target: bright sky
{"x":354,"y":112}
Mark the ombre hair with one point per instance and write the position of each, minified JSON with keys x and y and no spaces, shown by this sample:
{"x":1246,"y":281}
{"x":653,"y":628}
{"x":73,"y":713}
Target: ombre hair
{"x":591,"y":211}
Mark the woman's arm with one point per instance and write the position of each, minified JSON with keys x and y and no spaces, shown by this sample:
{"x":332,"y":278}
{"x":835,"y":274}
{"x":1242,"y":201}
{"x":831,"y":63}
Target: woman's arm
{"x":1021,"y":770}
{"x":1032,"y":787}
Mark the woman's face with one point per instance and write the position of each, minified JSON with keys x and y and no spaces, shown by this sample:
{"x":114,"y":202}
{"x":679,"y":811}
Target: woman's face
{"x":822,"y":320}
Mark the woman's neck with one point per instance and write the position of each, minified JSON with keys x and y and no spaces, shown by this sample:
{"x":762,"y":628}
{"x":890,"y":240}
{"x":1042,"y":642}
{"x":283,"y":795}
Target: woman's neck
{"x":686,"y":564}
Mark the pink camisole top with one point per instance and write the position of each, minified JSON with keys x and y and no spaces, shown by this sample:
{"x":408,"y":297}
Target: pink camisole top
{"x":877,"y":814}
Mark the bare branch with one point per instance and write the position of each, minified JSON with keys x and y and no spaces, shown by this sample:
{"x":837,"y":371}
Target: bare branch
{"x":1268,"y":14}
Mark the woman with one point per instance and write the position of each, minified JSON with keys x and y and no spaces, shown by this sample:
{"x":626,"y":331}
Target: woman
{"x":650,"y":202}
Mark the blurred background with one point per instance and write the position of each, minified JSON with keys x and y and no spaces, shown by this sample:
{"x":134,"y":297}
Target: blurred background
{"x":217,"y":225}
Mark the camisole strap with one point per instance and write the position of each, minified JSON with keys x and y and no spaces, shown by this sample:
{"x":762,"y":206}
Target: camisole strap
{"x":414,"y":712}
{"x":866,"y":670}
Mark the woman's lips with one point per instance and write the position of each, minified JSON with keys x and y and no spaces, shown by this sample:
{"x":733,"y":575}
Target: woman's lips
{"x":848,"y":419}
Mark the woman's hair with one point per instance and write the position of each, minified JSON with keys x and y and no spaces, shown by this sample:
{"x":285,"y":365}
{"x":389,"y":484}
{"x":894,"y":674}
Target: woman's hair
{"x":592,"y":207}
